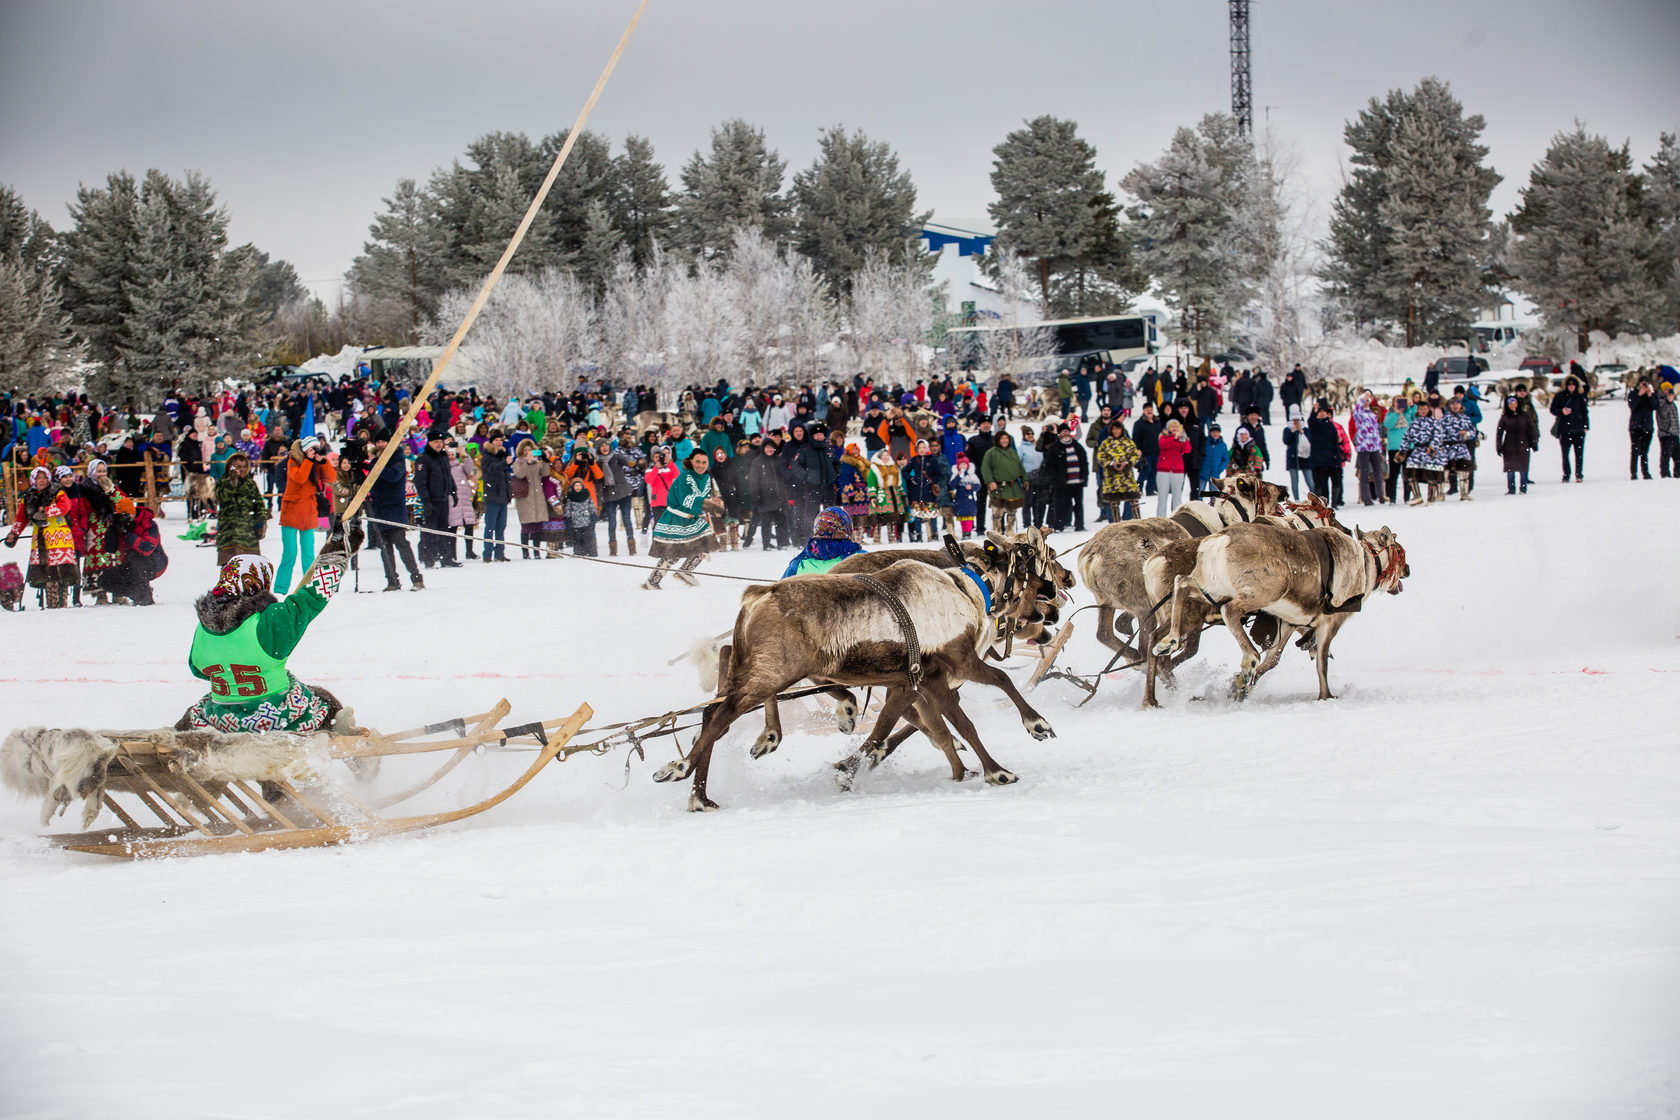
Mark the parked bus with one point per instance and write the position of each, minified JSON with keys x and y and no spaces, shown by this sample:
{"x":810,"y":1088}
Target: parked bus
{"x":1040,"y":349}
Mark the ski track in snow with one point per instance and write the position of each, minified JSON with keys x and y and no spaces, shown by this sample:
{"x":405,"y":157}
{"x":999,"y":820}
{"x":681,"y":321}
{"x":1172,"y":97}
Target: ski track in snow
{"x":1454,"y":891}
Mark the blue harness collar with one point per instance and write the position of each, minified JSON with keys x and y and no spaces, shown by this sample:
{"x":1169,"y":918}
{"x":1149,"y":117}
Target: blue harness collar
{"x":985,"y":592}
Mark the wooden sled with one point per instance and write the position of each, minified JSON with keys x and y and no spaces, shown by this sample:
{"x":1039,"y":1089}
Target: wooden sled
{"x":1047,"y":655}
{"x":203,"y":818}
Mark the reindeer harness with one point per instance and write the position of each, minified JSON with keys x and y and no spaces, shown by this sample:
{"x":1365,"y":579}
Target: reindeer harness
{"x":906,"y":627}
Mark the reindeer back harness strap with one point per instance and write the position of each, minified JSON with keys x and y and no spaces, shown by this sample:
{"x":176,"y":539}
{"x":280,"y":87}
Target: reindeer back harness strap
{"x":1320,"y":541}
{"x":912,"y":647}
{"x":1192,"y":524}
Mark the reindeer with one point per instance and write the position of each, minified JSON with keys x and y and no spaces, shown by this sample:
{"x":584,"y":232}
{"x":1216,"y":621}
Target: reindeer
{"x":1111,"y":564}
{"x":835,"y":628}
{"x":1310,"y":581}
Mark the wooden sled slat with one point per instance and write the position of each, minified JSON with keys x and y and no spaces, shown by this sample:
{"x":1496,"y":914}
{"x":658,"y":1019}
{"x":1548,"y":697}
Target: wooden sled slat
{"x":1048,"y":654}
{"x":154,"y":846}
{"x":485,"y":723}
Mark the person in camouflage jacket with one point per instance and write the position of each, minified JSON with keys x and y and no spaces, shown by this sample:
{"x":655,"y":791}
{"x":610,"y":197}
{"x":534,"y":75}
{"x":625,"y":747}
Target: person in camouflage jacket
{"x":241,"y":513}
{"x":1118,"y":457}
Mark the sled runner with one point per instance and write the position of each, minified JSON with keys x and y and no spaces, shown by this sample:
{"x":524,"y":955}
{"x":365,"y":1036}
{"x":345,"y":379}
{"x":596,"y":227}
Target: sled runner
{"x":214,"y":792}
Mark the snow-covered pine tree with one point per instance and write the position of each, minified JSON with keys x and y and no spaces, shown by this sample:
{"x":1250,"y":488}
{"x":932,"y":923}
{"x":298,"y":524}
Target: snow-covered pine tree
{"x":588,"y":178}
{"x":1662,"y":209}
{"x":190,"y":315}
{"x":37,"y":351}
{"x":640,"y":200}
{"x":97,"y":271}
{"x":1054,"y":209}
{"x":598,"y":252}
{"x":399,"y":266}
{"x":1437,"y":218}
{"x":1580,"y":242}
{"x":1419,"y":191}
{"x":852,"y":202}
{"x":738,"y":184}
{"x":1193,"y":225}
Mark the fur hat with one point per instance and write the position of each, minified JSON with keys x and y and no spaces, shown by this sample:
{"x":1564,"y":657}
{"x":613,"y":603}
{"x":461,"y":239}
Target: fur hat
{"x":245,"y":574}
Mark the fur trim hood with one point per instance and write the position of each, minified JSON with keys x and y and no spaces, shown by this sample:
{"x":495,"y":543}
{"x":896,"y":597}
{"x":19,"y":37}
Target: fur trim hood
{"x":225,"y":614}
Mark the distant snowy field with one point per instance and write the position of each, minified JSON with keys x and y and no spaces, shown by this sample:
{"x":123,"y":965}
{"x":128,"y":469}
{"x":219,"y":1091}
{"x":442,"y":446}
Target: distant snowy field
{"x":1452,"y":892}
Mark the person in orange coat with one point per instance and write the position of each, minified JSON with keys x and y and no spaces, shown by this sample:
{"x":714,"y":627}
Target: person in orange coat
{"x":308,"y":477}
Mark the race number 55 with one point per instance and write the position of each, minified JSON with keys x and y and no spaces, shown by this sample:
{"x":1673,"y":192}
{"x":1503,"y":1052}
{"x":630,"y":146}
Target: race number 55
{"x":247,"y":680}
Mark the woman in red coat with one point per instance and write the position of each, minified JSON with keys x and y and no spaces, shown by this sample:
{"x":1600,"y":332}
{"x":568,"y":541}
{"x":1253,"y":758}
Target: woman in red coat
{"x":1169,"y":468}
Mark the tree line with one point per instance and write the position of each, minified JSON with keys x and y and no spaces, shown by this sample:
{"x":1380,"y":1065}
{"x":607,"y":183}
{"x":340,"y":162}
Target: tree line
{"x":143,"y":286}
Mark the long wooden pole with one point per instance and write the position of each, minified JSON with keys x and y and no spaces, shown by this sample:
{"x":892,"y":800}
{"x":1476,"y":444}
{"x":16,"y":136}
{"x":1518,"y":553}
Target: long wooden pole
{"x":490,"y":282}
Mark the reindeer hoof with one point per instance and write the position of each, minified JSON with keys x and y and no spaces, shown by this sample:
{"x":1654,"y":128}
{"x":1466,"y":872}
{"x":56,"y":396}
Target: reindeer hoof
{"x":876,"y":755}
{"x":845,"y":717}
{"x":846,"y":772}
{"x":966,"y":775}
{"x":1165,"y":647}
{"x":1038,"y":728}
{"x":699,"y":804}
{"x":1001,"y":778}
{"x":672,"y":771}
{"x":767,"y":743}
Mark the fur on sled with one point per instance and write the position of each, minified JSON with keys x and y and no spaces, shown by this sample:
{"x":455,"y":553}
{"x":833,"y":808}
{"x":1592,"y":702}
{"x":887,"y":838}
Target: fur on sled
{"x":60,"y":765}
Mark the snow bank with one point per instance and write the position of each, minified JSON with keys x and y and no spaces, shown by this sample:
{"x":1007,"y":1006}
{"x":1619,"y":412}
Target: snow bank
{"x":335,"y":365}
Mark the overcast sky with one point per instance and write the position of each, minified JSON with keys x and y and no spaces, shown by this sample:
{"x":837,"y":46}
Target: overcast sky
{"x":305,"y":114}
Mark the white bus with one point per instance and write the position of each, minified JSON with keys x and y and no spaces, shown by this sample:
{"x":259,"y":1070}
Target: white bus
{"x":1040,"y":349}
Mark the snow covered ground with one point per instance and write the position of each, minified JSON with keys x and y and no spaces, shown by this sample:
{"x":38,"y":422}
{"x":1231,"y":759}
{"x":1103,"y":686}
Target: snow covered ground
{"x":1454,"y":891}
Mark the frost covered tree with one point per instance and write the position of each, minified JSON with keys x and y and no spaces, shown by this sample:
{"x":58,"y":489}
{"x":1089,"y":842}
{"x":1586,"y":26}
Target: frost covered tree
{"x":852,"y":203}
{"x":398,"y":267}
{"x":1579,"y":240}
{"x":1287,"y":292}
{"x":738,"y":184}
{"x":889,"y":317}
{"x":534,"y":334}
{"x":812,"y":318}
{"x":1012,"y":345}
{"x":36,"y":348}
{"x":1054,"y":208}
{"x":640,"y":200}
{"x":760,"y":281}
{"x":1194,"y":226}
{"x":1662,"y":208}
{"x":1410,"y":233}
{"x":704,"y":341}
{"x":632,"y":317}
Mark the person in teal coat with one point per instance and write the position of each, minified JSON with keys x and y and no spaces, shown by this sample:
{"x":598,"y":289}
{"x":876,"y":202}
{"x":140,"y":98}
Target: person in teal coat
{"x":682,"y":537}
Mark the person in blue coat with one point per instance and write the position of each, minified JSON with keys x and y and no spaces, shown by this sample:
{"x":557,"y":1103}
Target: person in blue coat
{"x":951,"y":442}
{"x":388,"y":501}
{"x":1216,"y":456}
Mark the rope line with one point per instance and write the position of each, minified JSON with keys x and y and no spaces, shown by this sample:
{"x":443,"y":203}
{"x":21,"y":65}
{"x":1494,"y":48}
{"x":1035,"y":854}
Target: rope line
{"x":553,"y":552}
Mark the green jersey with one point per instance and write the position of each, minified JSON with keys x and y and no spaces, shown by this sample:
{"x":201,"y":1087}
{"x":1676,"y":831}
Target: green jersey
{"x":247,"y":665}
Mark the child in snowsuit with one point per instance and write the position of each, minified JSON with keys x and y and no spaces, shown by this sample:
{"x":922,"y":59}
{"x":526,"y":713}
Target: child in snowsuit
{"x":965,"y":495}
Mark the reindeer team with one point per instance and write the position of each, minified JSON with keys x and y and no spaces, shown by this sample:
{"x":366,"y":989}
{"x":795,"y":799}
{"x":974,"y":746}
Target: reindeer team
{"x":919,"y":623}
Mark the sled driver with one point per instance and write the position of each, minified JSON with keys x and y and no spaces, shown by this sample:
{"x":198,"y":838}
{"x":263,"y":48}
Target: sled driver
{"x":243,"y":639}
